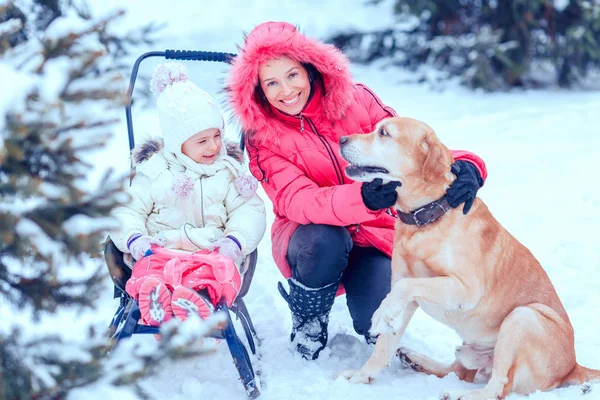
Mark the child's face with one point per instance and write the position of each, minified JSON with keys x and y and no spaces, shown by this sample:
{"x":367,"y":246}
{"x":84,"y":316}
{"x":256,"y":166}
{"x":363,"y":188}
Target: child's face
{"x":204,"y":146}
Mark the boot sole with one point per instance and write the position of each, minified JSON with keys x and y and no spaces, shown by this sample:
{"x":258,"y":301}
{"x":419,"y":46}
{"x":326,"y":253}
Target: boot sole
{"x":186,"y":302}
{"x":155,"y":302}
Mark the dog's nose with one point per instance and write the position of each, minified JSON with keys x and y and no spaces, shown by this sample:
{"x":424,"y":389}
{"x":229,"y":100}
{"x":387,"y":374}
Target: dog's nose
{"x":343,"y":139}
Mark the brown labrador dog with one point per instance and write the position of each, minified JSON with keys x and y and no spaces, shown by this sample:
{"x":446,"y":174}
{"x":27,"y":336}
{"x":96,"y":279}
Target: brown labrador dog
{"x":466,"y":271}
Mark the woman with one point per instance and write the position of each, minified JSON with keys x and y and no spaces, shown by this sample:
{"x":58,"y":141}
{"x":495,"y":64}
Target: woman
{"x":295,"y":98}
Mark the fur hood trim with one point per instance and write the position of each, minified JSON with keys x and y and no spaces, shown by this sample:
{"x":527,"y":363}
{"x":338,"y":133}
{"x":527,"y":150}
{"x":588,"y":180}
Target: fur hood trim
{"x":273,"y":40}
{"x":144,"y":151}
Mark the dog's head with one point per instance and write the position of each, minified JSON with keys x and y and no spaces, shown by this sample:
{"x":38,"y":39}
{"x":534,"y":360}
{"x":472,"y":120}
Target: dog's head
{"x":400,"y":149}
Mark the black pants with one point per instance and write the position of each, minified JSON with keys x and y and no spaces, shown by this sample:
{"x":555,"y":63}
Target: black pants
{"x":320,"y":254}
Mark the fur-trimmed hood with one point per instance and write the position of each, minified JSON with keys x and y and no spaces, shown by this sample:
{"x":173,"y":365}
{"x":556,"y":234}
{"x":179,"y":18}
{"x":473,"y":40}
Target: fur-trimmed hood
{"x":144,"y":151}
{"x":273,"y":40}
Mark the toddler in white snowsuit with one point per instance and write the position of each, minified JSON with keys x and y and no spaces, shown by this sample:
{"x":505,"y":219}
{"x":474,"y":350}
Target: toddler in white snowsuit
{"x":194,"y":214}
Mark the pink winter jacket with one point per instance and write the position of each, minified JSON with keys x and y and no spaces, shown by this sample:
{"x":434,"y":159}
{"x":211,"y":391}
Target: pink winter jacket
{"x":297,"y":158}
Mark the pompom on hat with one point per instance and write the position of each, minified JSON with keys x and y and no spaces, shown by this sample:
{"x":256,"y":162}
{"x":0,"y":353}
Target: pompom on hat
{"x":183,"y":108}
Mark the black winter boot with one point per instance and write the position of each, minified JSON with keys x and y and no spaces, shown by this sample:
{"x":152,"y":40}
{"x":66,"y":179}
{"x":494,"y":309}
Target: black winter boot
{"x":310,"y":315}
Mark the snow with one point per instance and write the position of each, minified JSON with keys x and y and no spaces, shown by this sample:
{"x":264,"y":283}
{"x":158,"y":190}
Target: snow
{"x":31,"y":230}
{"x":54,"y":78}
{"x":12,"y":94}
{"x":541,"y":150}
{"x":560,"y":5}
{"x":9,"y":26}
{"x":82,"y":224}
{"x":65,"y":25}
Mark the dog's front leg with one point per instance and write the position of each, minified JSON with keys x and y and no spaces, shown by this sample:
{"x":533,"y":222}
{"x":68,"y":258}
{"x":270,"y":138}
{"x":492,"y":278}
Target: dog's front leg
{"x":447,"y":292}
{"x":385,"y":347}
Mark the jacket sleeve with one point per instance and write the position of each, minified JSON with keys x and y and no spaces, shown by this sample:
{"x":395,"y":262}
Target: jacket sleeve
{"x":246,"y":219}
{"x":299,"y":199}
{"x":133,"y":215}
{"x":473,"y":159}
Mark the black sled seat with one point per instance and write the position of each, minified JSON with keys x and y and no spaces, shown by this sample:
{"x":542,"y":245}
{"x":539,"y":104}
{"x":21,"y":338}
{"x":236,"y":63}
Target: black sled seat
{"x":126,"y":321}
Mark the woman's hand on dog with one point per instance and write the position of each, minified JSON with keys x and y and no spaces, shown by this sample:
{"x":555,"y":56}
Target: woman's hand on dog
{"x":377,"y":196}
{"x":464,"y":188}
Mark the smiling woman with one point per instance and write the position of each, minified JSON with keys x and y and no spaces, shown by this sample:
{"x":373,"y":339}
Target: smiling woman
{"x":295,"y":99}
{"x":285,"y":84}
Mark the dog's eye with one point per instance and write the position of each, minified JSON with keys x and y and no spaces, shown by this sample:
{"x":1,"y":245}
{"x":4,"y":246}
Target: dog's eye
{"x":382,"y":132}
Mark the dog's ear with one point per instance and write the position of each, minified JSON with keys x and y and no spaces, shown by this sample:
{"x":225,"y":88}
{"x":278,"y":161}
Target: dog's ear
{"x":434,"y":166}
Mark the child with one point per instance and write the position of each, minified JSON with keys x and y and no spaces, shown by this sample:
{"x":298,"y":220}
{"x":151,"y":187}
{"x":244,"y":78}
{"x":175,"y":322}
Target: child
{"x":194,"y":214}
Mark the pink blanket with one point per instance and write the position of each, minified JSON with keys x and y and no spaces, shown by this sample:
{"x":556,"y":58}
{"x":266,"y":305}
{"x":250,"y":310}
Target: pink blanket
{"x":200,"y":270}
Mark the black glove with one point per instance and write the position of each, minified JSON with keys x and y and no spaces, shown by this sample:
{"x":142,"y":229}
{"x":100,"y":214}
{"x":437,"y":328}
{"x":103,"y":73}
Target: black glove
{"x":377,"y":196}
{"x":464,"y":188}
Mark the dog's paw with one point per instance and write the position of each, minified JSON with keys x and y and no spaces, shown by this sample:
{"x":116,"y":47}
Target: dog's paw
{"x":404,"y":355}
{"x":357,"y":376}
{"x":585,"y":388}
{"x":385,"y":320}
{"x":474,"y":395}
{"x":380,"y":325}
{"x":450,"y":396}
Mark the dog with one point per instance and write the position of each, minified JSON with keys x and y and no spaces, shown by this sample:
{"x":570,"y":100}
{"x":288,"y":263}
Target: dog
{"x":465,"y":271}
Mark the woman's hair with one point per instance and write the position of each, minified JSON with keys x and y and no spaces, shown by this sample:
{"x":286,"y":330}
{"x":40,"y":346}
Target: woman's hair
{"x":314,"y":77}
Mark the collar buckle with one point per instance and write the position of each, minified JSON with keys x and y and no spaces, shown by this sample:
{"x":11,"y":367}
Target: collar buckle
{"x":422,"y":216}
{"x":428,"y":213}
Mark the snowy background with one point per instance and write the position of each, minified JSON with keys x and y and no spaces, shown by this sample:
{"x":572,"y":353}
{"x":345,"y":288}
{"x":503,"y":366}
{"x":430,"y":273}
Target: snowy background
{"x":542,"y":153}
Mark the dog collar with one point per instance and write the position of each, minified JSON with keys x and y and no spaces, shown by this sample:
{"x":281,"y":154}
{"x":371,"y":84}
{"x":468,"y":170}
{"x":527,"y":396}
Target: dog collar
{"x":423,"y":215}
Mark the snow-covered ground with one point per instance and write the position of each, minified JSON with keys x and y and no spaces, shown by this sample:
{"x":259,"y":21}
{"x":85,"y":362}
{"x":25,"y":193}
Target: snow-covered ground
{"x":542,"y":153}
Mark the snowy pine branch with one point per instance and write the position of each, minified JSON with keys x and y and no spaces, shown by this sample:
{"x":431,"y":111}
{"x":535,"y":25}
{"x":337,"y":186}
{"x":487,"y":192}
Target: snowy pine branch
{"x":486,"y":44}
{"x":62,"y":97}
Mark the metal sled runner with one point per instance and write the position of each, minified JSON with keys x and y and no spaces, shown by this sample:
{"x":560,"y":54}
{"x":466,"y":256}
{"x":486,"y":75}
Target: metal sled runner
{"x":126,"y":321}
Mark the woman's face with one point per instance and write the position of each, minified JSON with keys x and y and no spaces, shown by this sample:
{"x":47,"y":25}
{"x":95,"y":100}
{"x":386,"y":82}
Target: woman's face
{"x":285,"y":83}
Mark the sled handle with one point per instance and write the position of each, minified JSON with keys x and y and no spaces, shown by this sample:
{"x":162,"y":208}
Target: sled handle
{"x":199,"y":55}
{"x":186,"y":55}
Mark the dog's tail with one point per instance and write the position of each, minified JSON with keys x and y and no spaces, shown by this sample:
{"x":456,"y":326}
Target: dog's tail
{"x":580,"y":375}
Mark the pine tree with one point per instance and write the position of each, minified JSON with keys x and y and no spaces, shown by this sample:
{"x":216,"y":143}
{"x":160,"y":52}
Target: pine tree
{"x":488,"y":43}
{"x":62,"y":95}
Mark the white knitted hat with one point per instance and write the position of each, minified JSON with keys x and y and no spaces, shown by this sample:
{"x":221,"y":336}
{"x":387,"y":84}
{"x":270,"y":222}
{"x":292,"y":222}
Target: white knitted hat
{"x":183,"y":108}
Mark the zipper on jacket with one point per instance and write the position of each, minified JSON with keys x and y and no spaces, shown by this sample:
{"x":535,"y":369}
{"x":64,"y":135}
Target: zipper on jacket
{"x":301,"y":118}
{"x":334,"y":160}
{"x":202,"y":203}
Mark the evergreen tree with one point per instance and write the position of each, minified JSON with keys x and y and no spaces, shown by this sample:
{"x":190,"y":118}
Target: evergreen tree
{"x":488,"y":43}
{"x":61,"y":97}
